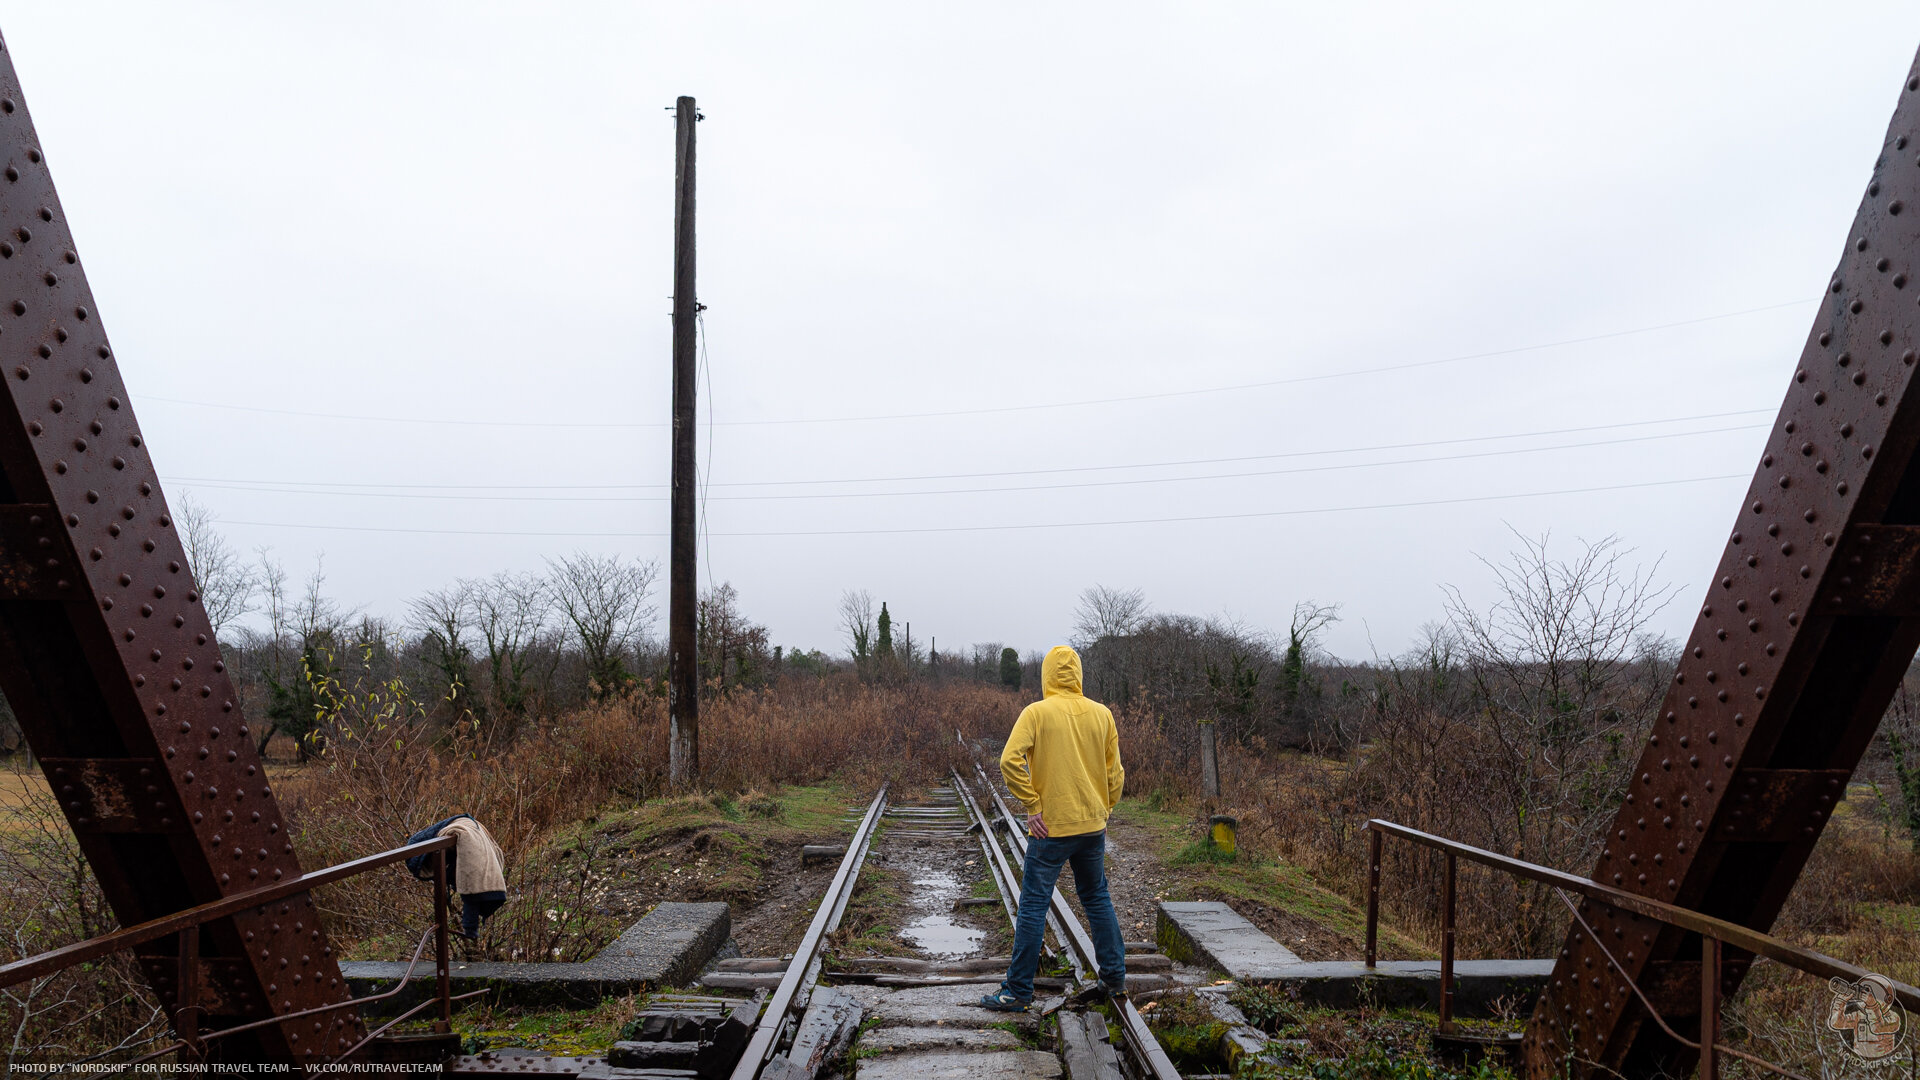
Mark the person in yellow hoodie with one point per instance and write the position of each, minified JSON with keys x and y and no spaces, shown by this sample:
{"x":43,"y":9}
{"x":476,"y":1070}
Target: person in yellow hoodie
{"x":1063,"y":763}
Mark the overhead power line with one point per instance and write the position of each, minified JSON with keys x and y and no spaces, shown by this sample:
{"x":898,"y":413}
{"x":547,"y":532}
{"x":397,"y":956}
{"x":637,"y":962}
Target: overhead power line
{"x":298,"y":485}
{"x":1009,"y":528}
{"x":988,"y":410}
{"x":1084,"y":484}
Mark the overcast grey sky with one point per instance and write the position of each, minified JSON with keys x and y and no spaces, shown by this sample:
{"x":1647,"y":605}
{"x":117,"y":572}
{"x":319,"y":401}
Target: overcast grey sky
{"x":389,"y":282}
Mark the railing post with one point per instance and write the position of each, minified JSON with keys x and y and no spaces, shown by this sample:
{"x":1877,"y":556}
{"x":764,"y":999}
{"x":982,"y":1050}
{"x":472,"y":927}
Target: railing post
{"x":443,"y":975}
{"x":1373,"y":896}
{"x":186,"y":1013}
{"x":1446,"y":944}
{"x":1709,"y":1007}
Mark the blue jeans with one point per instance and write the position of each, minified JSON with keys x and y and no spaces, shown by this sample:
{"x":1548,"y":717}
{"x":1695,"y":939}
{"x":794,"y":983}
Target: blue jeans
{"x":1088,"y":854}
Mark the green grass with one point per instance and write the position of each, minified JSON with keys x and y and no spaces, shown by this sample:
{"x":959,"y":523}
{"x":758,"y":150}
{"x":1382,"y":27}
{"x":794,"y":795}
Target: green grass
{"x":867,"y":927}
{"x":732,"y":835}
{"x":556,"y":1031}
{"x":1206,"y":872}
{"x":1392,"y":1044}
{"x":983,"y":886}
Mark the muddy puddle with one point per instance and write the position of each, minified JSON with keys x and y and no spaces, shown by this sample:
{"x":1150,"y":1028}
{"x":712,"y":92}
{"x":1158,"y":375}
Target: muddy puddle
{"x":926,"y":845}
{"x":936,"y":933}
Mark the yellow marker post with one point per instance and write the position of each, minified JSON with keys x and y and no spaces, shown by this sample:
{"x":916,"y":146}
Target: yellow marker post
{"x":1221,"y":833}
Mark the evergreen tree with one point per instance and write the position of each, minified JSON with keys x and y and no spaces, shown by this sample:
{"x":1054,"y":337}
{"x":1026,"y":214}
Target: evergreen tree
{"x":884,"y":647}
{"x":1010,"y":669}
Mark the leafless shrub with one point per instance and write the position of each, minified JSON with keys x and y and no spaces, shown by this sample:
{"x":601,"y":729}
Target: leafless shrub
{"x":49,"y":898}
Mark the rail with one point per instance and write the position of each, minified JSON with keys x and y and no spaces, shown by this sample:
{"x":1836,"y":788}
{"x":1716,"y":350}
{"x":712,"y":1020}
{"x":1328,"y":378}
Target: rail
{"x":1134,"y":1031}
{"x":1714,"y":933}
{"x":186,"y":923}
{"x":803,"y":969}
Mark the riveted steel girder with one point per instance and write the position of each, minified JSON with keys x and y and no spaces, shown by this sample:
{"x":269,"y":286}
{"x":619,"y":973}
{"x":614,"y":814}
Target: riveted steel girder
{"x":1799,"y":642}
{"x":108,"y":657}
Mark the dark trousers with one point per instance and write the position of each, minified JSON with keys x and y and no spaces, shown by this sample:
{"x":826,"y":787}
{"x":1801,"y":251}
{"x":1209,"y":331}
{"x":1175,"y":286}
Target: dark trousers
{"x":1045,"y":856}
{"x":475,"y":906}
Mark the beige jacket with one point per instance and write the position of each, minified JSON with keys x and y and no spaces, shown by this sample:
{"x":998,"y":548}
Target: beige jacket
{"x":478,"y":865}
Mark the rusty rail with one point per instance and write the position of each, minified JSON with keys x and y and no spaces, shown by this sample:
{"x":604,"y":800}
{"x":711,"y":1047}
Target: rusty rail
{"x":186,"y":924}
{"x":1714,"y":933}
{"x":760,"y":1046}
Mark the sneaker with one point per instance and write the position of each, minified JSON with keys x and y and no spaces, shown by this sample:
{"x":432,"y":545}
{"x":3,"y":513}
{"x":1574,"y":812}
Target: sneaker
{"x":1001,"y":1001}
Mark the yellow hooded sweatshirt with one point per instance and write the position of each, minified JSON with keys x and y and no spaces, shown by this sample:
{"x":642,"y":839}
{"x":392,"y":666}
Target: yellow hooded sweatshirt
{"x":1063,"y":759}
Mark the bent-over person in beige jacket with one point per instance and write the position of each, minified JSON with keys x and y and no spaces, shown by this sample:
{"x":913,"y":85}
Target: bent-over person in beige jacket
{"x":475,"y":867}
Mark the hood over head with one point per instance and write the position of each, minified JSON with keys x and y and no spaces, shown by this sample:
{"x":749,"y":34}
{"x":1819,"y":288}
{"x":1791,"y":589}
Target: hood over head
{"x":1060,"y":672}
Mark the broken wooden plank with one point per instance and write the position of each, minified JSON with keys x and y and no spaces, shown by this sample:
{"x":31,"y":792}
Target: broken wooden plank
{"x":826,"y":1029}
{"x":1084,"y":1045}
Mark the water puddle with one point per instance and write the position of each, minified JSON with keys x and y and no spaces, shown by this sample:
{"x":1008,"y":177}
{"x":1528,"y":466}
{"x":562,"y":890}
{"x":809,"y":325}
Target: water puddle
{"x":941,"y":938}
{"x":937,"y":935}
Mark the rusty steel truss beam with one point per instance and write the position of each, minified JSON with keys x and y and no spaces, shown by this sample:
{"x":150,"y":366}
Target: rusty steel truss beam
{"x":109,"y":660}
{"x":1804,"y":632}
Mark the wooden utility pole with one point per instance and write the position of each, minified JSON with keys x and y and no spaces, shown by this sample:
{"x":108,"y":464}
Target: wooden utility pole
{"x":683,"y":668}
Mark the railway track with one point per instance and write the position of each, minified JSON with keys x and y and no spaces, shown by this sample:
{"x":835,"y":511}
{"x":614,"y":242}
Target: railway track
{"x":926,"y":1012}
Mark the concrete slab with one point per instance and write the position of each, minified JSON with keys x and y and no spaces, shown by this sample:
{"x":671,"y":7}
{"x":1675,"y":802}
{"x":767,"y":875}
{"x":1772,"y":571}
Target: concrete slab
{"x":999,"y":1065}
{"x":901,"y":1040}
{"x":947,"y":994}
{"x":1211,"y":934}
{"x":890,"y":1014}
{"x":1214,"y":935}
{"x":1477,"y":984}
{"x":670,"y":945}
{"x":666,"y":948}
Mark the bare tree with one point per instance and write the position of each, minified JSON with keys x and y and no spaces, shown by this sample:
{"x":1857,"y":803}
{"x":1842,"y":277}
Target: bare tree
{"x":227,"y":584}
{"x":1556,"y":676}
{"x":604,"y":599}
{"x":732,"y":648}
{"x":856,"y":621}
{"x":1900,"y":729}
{"x":441,"y":617}
{"x":1303,"y":640}
{"x":1105,"y":612}
{"x":510,"y":613}
{"x":304,"y":636}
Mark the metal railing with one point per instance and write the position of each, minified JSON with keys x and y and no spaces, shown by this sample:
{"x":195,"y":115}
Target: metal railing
{"x":1714,"y":935}
{"x":186,"y":923}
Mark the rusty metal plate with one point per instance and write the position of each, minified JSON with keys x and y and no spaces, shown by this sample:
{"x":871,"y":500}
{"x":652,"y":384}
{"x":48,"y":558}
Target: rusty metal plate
{"x":1772,"y":678}
{"x":114,"y":665}
{"x":1779,"y":805}
{"x":33,"y":563}
{"x":516,"y":1062}
{"x":225,"y":987}
{"x":110,"y":795}
{"x":1877,"y":572}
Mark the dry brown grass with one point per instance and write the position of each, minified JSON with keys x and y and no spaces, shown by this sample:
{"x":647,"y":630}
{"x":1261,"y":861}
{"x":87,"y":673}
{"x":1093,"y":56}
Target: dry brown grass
{"x":368,"y":793}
